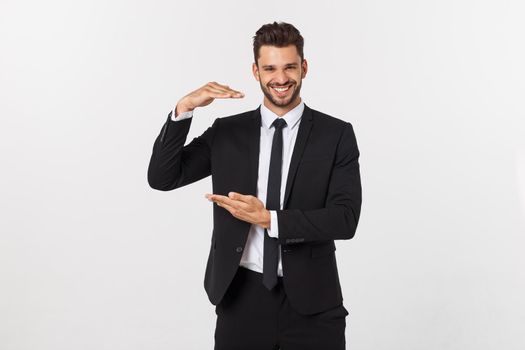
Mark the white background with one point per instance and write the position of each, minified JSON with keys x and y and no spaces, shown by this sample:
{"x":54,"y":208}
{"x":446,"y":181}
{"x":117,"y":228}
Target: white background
{"x":92,"y":258}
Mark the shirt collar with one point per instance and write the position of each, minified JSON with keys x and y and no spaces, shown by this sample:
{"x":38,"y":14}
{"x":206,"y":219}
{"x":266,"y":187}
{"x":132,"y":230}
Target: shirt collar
{"x":292,"y":117}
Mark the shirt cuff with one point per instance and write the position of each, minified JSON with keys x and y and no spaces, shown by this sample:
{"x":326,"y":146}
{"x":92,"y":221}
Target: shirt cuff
{"x":181,"y":116}
{"x":274,"y":232}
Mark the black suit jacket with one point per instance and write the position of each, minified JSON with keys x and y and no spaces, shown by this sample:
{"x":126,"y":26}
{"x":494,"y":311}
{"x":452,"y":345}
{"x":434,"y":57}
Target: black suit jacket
{"x":322,"y":200}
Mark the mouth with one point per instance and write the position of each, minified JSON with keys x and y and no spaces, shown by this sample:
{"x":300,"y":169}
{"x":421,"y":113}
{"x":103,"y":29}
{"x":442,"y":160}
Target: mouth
{"x":282,"y":91}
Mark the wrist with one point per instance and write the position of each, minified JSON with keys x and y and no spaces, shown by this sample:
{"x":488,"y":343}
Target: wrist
{"x":267,"y":219}
{"x":182,"y":107}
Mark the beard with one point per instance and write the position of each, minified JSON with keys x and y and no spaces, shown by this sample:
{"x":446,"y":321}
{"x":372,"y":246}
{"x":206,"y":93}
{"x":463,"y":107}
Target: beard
{"x":282,"y":102}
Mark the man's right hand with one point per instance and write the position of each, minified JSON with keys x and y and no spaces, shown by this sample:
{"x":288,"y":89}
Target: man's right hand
{"x":205,"y":95}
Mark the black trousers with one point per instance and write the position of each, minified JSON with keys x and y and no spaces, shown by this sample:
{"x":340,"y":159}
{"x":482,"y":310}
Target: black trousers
{"x":250,"y":317}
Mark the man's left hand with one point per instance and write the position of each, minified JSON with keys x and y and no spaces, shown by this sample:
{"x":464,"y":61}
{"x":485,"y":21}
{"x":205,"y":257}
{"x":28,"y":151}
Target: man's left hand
{"x":244,"y":207}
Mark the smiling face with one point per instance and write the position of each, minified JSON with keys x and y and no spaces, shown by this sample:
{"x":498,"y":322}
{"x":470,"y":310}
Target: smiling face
{"x":280,"y":75}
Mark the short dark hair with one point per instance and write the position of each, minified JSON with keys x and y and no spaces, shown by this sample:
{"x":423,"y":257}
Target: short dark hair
{"x":277,"y":34}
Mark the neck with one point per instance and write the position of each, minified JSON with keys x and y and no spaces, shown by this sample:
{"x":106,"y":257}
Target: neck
{"x":280,"y":111}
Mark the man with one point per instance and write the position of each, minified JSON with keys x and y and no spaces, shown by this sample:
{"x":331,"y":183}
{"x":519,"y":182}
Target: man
{"x":286,"y":184}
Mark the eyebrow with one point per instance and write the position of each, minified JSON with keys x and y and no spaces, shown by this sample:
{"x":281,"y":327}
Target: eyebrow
{"x":286,"y":65}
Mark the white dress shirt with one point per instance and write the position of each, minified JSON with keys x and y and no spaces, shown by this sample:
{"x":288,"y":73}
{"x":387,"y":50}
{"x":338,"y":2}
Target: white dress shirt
{"x":252,"y":257}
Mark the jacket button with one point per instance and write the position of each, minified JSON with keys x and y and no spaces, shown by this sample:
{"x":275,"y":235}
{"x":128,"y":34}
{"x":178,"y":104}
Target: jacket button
{"x":238,"y":249}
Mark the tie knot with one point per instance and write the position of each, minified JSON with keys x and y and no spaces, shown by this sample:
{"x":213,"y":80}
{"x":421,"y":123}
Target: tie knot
{"x":279,"y":123}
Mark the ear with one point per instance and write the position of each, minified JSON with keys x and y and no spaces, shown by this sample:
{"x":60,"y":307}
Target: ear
{"x":305,"y":68}
{"x":255,"y":71}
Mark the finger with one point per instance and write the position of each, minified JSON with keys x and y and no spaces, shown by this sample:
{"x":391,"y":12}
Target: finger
{"x":217,"y":198}
{"x":218,"y":90}
{"x":221,"y":86}
{"x":213,"y":196}
{"x":239,"y":213}
{"x":231,"y":202}
{"x":225,"y":88}
{"x":214,"y":83}
{"x":240,"y":197}
{"x":218,"y":93}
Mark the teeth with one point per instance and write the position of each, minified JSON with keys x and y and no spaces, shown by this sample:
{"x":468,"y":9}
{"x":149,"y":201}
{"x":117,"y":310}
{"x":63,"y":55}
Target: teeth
{"x":281,"y":89}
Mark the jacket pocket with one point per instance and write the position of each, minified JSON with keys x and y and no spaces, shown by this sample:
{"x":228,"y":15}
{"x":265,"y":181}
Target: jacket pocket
{"x":337,"y":313}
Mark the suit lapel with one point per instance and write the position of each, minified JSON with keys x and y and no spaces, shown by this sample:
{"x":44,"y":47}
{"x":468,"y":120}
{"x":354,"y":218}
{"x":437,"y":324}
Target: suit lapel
{"x":254,"y":134}
{"x":300,"y":142}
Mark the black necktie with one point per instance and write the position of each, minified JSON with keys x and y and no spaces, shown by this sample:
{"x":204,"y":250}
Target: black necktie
{"x":273,"y":202}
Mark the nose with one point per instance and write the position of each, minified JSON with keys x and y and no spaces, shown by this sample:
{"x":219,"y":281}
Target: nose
{"x":281,"y":79}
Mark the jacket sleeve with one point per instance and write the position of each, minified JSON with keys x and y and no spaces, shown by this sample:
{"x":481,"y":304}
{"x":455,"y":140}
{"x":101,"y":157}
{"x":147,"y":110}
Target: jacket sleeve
{"x":340,"y":215}
{"x":173,"y":165}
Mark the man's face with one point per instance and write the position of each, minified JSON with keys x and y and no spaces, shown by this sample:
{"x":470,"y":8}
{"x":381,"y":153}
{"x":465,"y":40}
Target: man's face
{"x":280,"y":67}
